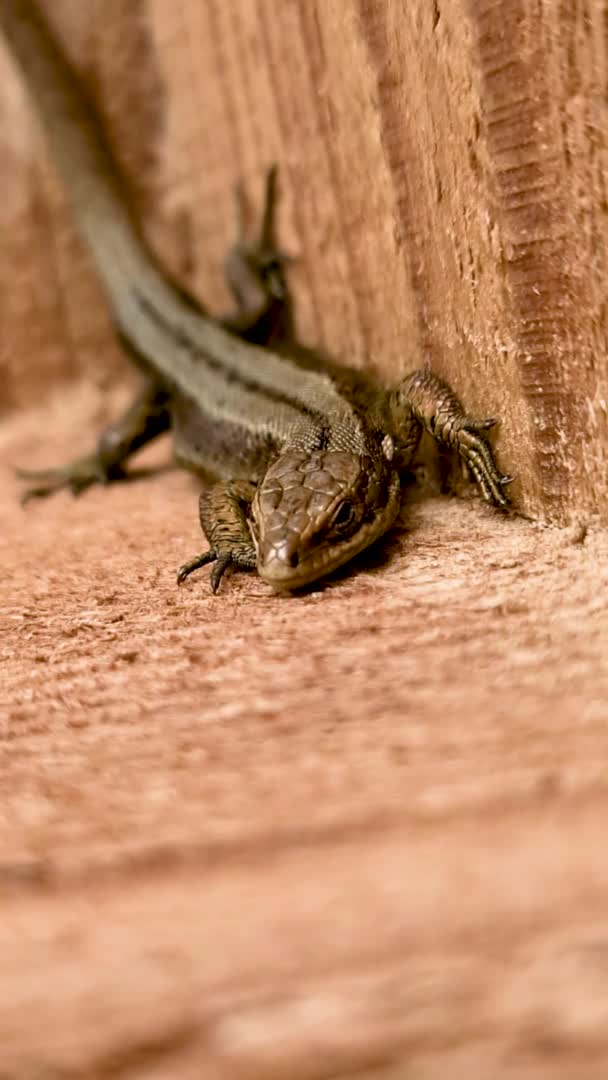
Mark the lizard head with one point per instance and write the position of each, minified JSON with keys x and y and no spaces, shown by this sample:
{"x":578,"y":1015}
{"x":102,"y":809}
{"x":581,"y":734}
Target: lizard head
{"x":315,"y":511}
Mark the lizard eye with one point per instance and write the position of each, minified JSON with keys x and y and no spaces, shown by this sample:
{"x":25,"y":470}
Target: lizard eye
{"x":344,"y":516}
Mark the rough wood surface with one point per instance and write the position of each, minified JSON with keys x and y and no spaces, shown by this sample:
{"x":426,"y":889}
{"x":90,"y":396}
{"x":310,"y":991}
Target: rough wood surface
{"x":443,"y":168}
{"x":249,"y":837}
{"x":359,"y":833}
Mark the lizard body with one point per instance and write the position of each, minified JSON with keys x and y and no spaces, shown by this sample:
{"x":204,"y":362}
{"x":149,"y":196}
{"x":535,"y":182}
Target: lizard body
{"x":308,"y":454}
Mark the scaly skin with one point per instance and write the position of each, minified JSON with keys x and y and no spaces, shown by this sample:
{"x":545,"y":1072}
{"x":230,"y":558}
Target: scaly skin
{"x":308,"y":455}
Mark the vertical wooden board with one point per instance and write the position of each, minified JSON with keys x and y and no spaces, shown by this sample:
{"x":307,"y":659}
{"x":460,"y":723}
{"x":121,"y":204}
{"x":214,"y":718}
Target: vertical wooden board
{"x":322,"y":258}
{"x":527,"y":55}
{"x":359,"y":258}
{"x":442,"y":169}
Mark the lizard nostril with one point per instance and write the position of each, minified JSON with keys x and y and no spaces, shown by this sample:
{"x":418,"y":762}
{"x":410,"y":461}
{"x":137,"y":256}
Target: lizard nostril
{"x":294,"y":560}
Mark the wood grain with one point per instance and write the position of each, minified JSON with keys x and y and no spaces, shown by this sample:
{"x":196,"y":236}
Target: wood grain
{"x":443,"y":169}
{"x":252,"y":837}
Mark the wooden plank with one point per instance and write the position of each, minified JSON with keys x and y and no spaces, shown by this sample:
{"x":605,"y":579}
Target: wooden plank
{"x":443,"y":169}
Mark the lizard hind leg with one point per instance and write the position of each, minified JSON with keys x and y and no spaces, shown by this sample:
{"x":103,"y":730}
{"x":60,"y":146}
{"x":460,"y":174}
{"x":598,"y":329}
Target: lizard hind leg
{"x":223,"y":513}
{"x":435,"y":406}
{"x":146,"y":417}
{"x":255,"y":274}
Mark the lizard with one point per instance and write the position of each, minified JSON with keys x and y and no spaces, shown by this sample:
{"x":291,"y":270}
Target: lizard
{"x":307,"y":456}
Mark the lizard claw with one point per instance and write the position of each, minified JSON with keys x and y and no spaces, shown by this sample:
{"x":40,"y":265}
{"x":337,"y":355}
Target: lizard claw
{"x":222,"y":561}
{"x":189,"y":567}
{"x":478,"y":457}
{"x":222,"y":564}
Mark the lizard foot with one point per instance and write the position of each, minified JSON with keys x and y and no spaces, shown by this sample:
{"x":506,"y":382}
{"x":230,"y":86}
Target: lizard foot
{"x":239,"y":561}
{"x":223,"y":512}
{"x":261,"y":259}
{"x":75,"y":477}
{"x":477,"y":455}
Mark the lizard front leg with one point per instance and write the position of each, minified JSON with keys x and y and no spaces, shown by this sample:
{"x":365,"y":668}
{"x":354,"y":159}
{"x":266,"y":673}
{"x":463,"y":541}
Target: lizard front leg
{"x":422,"y":398}
{"x":223,"y":512}
{"x":146,"y":417}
